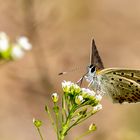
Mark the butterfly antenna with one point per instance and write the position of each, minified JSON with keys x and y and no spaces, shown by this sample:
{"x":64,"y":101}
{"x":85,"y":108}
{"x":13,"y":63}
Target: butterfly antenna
{"x":73,"y":70}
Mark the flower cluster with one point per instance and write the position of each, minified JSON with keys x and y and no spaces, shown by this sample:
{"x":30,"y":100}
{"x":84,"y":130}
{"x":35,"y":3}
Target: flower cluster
{"x":78,"y":104}
{"x":81,"y":96}
{"x":10,"y":50}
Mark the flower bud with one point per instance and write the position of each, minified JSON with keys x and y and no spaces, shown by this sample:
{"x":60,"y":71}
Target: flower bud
{"x":92,"y":127}
{"x":37,"y":123}
{"x":66,"y":86}
{"x":79,"y":99}
{"x":55,"y":97}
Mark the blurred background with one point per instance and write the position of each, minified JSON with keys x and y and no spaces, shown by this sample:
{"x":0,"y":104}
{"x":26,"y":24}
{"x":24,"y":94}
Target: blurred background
{"x":61,"y":32}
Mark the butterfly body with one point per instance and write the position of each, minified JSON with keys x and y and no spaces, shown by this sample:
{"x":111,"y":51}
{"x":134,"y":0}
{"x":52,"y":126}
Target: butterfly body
{"x":121,"y":85}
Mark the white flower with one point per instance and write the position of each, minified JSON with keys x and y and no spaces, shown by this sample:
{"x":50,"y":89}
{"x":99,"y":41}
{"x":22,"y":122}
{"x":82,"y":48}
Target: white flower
{"x":88,"y":92}
{"x":77,"y":89}
{"x":24,"y":43}
{"x":97,"y":108}
{"x":79,"y":99}
{"x":4,"y":42}
{"x":66,"y":84}
{"x":17,"y":52}
{"x":55,"y":97}
{"x":98,"y":97}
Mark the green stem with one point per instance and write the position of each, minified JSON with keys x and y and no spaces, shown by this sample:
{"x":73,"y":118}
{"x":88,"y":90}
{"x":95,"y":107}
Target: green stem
{"x":90,"y":114}
{"x":84,"y":134}
{"x":64,"y":111}
{"x":65,"y":127}
{"x":74,"y":124}
{"x":57,"y":119}
{"x":41,"y":137}
{"x":52,"y":121}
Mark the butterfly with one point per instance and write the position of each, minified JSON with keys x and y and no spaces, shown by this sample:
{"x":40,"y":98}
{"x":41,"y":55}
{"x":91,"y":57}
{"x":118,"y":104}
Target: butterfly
{"x":121,"y":85}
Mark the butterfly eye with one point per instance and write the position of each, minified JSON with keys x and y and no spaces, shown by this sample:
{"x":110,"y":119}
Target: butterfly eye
{"x":91,"y":66}
{"x":93,"y":69}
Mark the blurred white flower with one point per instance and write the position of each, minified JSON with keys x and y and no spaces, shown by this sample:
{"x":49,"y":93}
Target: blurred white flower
{"x":17,"y":52}
{"x":3,"y":35}
{"x":79,"y":99}
{"x":97,"y":108}
{"x":4,"y":42}
{"x":55,"y":97}
{"x":24,"y":43}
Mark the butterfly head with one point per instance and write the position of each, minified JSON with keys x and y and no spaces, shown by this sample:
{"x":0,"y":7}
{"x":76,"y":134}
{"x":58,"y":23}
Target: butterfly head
{"x":91,"y":72}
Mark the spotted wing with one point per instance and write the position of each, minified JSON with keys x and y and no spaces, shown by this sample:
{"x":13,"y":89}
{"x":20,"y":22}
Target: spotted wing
{"x":95,"y":59}
{"x":122,"y":85}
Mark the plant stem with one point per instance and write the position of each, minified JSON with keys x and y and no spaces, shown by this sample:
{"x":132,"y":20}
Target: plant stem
{"x":51,"y":119}
{"x":65,"y":127}
{"x":90,"y":114}
{"x":57,"y":120}
{"x":41,"y":137}
{"x":64,"y":111}
{"x":84,"y":134}
{"x":73,"y":124}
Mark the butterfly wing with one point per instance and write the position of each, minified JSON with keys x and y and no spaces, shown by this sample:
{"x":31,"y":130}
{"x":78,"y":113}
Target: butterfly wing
{"x":95,"y":59}
{"x":122,"y":85}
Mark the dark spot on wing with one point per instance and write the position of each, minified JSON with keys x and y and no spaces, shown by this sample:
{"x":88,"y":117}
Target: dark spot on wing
{"x":132,"y":74}
{"x":131,"y":83}
{"x":130,"y":100}
{"x":112,"y":78}
{"x":122,"y":73}
{"x":138,"y":80}
{"x":120,"y":79}
{"x":134,"y":98}
{"x":137,"y":89}
{"x":114,"y":72}
{"x":121,"y":100}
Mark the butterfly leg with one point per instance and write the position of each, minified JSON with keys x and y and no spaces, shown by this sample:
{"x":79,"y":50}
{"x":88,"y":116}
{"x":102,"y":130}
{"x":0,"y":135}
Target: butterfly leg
{"x":91,"y":82}
{"x":80,"y":81}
